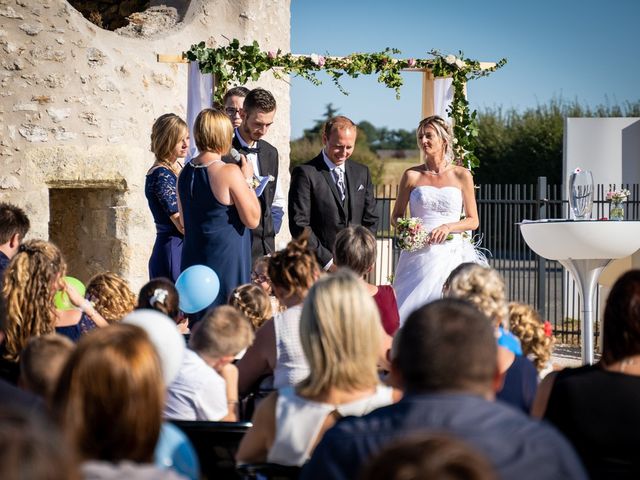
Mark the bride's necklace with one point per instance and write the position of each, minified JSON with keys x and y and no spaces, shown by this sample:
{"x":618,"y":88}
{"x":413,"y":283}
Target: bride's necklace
{"x":429,"y":171}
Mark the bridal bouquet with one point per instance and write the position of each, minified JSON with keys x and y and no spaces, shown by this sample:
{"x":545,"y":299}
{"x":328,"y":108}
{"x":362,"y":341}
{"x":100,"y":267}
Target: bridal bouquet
{"x":411,"y":234}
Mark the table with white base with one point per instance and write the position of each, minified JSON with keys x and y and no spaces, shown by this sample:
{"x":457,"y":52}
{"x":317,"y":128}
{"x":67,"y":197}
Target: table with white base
{"x":584,"y":248}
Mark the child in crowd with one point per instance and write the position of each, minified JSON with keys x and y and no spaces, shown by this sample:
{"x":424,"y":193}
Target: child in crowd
{"x":260,"y":277}
{"x":161,"y":294}
{"x":111,"y":296}
{"x":535,"y":336}
{"x":253,"y":302}
{"x":14,"y":225}
{"x":41,"y":363}
{"x":355,"y":249}
{"x":206,"y":387}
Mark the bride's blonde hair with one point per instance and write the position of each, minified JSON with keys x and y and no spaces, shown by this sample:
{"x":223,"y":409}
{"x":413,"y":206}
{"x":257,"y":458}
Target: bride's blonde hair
{"x":443,"y":130}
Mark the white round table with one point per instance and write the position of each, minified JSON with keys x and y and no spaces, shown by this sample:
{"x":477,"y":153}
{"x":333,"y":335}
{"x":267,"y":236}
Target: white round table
{"x":584,"y":248}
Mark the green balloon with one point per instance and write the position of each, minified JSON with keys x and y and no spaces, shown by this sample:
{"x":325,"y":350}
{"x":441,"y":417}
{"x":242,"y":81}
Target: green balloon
{"x":61,"y":299}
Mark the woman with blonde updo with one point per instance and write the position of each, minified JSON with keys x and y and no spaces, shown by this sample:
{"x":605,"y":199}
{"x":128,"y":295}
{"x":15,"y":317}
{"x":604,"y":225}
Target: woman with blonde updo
{"x":483,"y":287}
{"x":276,"y":349}
{"x":169,"y":144}
{"x":438,"y":192}
{"x":537,"y":342}
{"x":111,"y":296}
{"x":31,"y":280}
{"x":340,"y":336}
{"x":218,"y":206}
{"x":253,"y":302}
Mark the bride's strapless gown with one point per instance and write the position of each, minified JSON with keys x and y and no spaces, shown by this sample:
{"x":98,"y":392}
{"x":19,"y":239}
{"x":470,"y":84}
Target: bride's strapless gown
{"x":420,"y":275}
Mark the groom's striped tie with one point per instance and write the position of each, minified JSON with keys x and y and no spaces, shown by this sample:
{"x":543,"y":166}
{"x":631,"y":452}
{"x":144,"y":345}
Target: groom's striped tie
{"x":339,"y":176}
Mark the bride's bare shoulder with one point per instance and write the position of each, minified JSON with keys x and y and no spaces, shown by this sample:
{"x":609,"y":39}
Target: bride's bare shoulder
{"x":462,"y":173}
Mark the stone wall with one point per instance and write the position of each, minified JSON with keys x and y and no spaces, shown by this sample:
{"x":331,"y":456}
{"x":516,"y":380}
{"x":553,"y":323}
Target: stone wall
{"x":76,"y":107}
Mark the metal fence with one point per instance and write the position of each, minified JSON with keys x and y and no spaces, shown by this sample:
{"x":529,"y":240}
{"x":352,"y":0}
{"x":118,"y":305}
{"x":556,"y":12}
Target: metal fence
{"x":528,"y":277}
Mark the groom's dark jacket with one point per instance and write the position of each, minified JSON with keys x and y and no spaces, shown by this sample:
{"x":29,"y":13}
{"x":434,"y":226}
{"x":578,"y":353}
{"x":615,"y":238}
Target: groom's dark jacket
{"x":315,"y":204}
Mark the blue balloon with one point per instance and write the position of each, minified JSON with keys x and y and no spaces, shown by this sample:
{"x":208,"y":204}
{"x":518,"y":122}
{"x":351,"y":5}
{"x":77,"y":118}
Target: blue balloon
{"x":198,"y":287}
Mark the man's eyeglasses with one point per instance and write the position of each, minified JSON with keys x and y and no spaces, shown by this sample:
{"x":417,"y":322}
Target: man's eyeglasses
{"x":232,"y":111}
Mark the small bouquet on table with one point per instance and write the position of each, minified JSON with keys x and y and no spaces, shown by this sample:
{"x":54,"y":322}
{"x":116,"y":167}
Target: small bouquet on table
{"x":617,"y":197}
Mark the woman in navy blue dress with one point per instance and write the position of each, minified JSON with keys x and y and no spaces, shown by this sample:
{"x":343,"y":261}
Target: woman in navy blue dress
{"x":217,"y":206}
{"x":169,"y":143}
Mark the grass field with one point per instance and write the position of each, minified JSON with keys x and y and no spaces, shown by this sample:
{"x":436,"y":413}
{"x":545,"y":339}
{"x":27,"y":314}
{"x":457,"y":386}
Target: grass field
{"x":394,"y":168}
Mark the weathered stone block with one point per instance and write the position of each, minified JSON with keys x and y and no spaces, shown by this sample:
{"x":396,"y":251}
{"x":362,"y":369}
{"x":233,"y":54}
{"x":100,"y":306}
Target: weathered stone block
{"x":31,"y":30}
{"x":33,"y":133}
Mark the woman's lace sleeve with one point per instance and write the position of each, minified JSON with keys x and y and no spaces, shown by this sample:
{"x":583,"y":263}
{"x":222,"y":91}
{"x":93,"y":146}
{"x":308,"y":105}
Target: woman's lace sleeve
{"x":165,"y":191}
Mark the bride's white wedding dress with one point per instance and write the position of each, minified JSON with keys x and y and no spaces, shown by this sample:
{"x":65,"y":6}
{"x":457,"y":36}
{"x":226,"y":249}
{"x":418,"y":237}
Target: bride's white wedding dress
{"x":420,"y":275}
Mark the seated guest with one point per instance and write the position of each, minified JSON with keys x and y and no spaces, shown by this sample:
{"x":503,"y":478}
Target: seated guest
{"x":10,"y":395}
{"x":355,"y":248}
{"x":260,"y":278}
{"x":428,"y":456}
{"x":109,"y":403}
{"x":75,"y":322}
{"x":253,"y":302}
{"x":160,"y":294}
{"x":111,"y":296}
{"x":596,"y":406}
{"x":33,"y":448}
{"x":31,"y":281}
{"x":41,"y":363}
{"x":206,"y":387}
{"x":445,"y":357}
{"x":535,"y":336}
{"x":14,"y":225}
{"x":483,"y":287}
{"x":277,"y":350}
{"x":340,"y":334}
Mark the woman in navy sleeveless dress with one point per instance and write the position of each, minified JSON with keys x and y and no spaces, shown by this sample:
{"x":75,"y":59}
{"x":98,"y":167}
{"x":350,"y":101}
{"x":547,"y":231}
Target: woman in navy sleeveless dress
{"x":218,"y":208}
{"x":169,"y":142}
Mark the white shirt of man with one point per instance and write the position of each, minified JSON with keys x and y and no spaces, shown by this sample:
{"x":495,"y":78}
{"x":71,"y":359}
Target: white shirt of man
{"x":197,"y":393}
{"x":279,"y":201}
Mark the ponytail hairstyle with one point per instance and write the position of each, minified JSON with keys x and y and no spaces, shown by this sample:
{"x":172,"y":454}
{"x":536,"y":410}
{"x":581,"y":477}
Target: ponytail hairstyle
{"x":294,"y":269}
{"x":160,"y":294}
{"x":253,"y":302}
{"x":30,"y":283}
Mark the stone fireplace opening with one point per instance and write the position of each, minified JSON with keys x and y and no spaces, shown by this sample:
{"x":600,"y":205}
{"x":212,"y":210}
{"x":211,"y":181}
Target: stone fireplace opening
{"x":84,"y":223}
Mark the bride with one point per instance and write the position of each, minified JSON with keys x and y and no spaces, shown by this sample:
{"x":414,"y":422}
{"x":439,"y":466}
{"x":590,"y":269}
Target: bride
{"x":437,"y":192}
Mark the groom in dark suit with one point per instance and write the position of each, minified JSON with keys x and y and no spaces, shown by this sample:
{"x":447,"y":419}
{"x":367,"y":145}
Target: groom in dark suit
{"x":257,"y":114}
{"x":330,"y":193}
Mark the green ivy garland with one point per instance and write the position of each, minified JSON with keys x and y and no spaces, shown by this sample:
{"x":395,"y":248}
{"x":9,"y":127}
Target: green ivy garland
{"x":236,"y":65}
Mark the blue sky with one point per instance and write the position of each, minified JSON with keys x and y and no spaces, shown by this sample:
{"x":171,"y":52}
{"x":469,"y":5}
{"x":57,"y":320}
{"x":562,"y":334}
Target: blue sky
{"x":583,"y":50}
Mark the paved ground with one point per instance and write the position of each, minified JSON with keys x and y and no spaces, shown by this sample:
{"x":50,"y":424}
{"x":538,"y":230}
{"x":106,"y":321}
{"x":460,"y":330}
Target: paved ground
{"x":568,"y":355}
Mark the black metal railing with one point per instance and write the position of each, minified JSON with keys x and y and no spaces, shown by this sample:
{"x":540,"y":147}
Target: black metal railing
{"x":528,"y":277}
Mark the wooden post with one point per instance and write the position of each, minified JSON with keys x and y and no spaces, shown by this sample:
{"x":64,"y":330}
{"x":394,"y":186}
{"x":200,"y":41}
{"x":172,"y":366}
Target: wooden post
{"x":428,"y":85}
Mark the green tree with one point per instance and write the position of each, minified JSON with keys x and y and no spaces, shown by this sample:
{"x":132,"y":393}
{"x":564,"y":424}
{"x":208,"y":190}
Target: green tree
{"x":518,"y":147}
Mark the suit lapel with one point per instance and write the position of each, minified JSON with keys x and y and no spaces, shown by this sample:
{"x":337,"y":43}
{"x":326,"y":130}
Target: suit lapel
{"x":262,"y":160}
{"x":352,"y":184}
{"x":326,"y":173}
